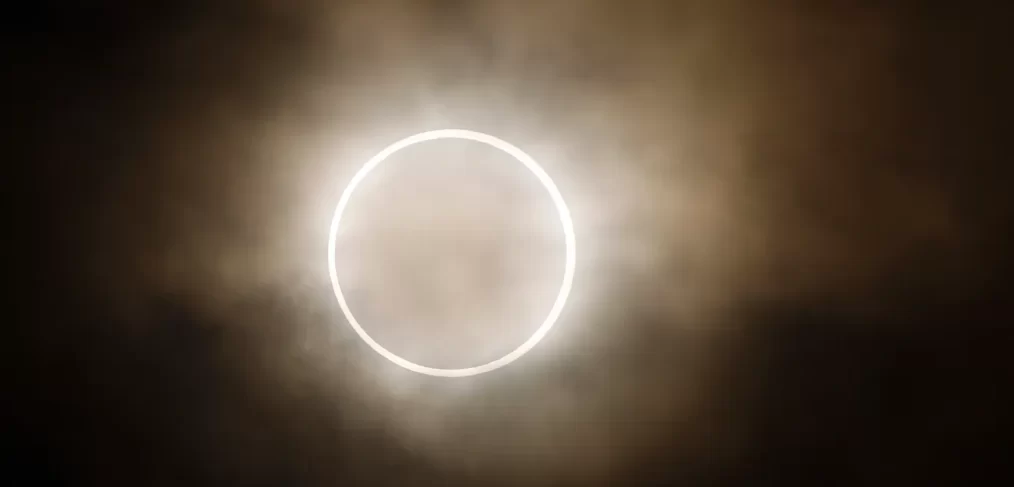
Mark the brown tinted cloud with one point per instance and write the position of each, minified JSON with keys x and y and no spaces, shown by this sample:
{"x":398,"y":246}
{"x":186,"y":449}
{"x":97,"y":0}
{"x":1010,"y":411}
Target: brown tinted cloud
{"x":729,"y":167}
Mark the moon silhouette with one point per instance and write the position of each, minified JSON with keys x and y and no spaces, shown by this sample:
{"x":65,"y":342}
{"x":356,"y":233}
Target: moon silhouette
{"x":565,"y":221}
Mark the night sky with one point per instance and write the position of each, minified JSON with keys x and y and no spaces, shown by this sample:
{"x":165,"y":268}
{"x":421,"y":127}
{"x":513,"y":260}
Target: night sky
{"x":791,"y":221}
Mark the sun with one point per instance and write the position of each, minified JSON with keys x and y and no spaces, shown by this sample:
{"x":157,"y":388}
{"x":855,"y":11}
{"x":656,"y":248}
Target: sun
{"x":566,"y":223}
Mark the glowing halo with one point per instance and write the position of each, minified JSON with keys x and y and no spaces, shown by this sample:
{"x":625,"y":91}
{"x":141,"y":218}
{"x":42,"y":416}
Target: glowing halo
{"x":565,"y":220}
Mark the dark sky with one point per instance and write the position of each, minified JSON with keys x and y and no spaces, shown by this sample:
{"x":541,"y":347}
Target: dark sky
{"x":791,"y":222}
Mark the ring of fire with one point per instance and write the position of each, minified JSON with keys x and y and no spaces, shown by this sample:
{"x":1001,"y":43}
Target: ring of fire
{"x":565,"y":220}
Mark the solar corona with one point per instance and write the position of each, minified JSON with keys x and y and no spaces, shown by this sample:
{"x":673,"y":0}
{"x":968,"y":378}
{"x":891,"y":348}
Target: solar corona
{"x":565,"y":220}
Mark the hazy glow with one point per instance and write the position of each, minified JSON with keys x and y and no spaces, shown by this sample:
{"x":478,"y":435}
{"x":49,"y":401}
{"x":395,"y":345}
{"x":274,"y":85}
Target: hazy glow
{"x":565,"y":220}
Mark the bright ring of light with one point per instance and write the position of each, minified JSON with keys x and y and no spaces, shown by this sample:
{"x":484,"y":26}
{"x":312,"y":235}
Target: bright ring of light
{"x":561,"y":208}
